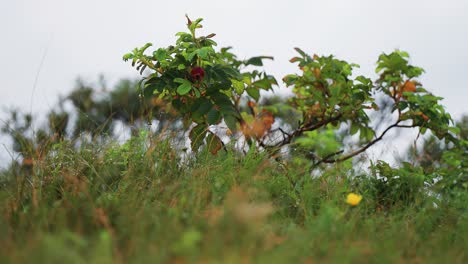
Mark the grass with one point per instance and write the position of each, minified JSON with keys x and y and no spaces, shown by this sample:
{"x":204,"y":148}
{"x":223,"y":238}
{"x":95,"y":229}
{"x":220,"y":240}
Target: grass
{"x":140,"y":203}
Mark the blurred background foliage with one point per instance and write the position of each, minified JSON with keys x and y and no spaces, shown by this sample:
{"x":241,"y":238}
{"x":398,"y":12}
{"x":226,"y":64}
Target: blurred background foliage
{"x":75,"y":193}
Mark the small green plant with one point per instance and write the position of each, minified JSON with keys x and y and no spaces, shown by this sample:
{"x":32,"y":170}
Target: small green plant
{"x":394,"y":186}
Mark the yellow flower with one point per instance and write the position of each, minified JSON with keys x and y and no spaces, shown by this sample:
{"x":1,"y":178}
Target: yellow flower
{"x":353,"y":199}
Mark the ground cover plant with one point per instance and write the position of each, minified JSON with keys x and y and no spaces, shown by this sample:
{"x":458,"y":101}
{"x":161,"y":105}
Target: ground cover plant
{"x":216,"y":172}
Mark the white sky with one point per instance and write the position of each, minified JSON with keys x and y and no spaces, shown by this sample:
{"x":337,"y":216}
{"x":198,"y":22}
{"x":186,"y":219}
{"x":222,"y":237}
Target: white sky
{"x":88,"y":37}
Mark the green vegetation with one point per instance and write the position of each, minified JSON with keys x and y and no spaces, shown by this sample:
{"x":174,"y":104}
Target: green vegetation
{"x":207,"y":88}
{"x":138,"y":202}
{"x":215,"y":172}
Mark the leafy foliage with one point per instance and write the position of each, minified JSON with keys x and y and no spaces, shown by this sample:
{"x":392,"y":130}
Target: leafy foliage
{"x":93,"y":117}
{"x":203,"y":85}
{"x":448,"y":162}
{"x":207,"y":87}
{"x":81,"y":196}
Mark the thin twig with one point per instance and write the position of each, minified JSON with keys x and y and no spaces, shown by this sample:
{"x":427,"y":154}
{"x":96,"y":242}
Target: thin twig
{"x":364,"y":148}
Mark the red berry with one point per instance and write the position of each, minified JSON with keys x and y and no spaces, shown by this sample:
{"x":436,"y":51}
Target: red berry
{"x":197,"y":73}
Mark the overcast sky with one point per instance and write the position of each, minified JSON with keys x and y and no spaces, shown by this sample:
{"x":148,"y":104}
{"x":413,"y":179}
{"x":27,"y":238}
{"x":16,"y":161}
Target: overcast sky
{"x":59,"y":40}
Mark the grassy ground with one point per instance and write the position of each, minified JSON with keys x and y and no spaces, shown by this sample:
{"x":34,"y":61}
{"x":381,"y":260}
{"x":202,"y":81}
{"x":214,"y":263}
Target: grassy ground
{"x":136,"y":203}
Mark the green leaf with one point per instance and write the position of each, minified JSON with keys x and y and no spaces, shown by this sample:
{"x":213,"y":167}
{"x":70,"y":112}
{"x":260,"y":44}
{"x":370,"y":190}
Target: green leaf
{"x":208,"y":42}
{"x":366,"y":133}
{"x":201,"y":107}
{"x":265,"y":84}
{"x":191,"y":55}
{"x":364,"y":80}
{"x":229,"y":72}
{"x":290,"y":79}
{"x":155,"y":86}
{"x":222,"y":85}
{"x":184,"y":88}
{"x":214,"y":143}
{"x":196,"y":135}
{"x":254,"y":93}
{"x":195,"y":24}
{"x":257,"y":61}
{"x":354,"y":128}
{"x":127,"y":56}
{"x":303,"y":54}
{"x":375,"y":106}
{"x":197,"y":93}
{"x":239,"y":86}
{"x":180,"y":80}
{"x":217,"y":72}
{"x":231,"y":122}
{"x":177,"y":104}
{"x":221,"y":99}
{"x":204,"y":52}
{"x":403,"y":54}
{"x":213,"y":117}
{"x":228,"y":109}
{"x":455,"y":130}
{"x":184,"y":37}
{"x":160,"y":54}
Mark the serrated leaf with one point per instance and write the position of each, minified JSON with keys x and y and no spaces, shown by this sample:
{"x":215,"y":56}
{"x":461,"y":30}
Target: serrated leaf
{"x":224,"y":84}
{"x":178,"y":34}
{"x":375,"y":106}
{"x":191,"y":55}
{"x":196,"y":135}
{"x":153,"y":87}
{"x":354,"y":128}
{"x":214,"y":143}
{"x":239,"y":86}
{"x":257,"y":61}
{"x":402,"y":105}
{"x":127,"y":56}
{"x":195,"y":24}
{"x":366,"y":133}
{"x":180,"y":80}
{"x":204,"y":52}
{"x":300,"y":52}
{"x":204,"y":107}
{"x":290,"y":79}
{"x":228,"y":109}
{"x":184,"y":88}
{"x":233,"y":73}
{"x":263,"y":83}
{"x":160,"y":54}
{"x":364,"y":80}
{"x":231,"y":122}
{"x":254,"y":93}
{"x":213,"y":117}
{"x":455,"y":130}
{"x":246,"y":79}
{"x":197,"y":93}
{"x":221,"y":99}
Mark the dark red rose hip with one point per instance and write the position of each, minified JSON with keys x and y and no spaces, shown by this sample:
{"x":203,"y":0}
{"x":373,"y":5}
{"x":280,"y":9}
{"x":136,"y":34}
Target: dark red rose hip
{"x":197,"y":73}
